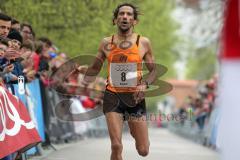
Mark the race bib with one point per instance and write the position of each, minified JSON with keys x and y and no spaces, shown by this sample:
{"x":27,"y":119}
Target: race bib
{"x":123,"y":74}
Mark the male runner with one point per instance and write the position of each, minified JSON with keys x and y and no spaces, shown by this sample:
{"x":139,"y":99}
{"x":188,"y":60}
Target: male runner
{"x":125,"y":52}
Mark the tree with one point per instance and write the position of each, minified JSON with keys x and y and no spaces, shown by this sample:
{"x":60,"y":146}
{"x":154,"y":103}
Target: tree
{"x":202,"y":64}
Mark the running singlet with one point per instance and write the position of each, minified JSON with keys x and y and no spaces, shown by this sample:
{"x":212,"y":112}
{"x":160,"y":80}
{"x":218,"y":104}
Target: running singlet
{"x":124,"y":68}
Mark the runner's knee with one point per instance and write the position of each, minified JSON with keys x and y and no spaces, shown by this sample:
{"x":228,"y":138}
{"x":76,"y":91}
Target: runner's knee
{"x":143,"y":150}
{"x":117,"y":147}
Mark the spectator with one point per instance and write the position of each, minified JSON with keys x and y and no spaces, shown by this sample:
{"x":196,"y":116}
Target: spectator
{"x":47,"y":45}
{"x":27,"y":53}
{"x":13,"y":51}
{"x":3,"y":48}
{"x":45,"y":57}
{"x":5,"y":68}
{"x":13,"y":54}
{"x":44,"y":67}
{"x":15,"y":25}
{"x":27,"y":32}
{"x":201,"y":112}
{"x":16,"y":41}
{"x":5,"y":25}
{"x":58,"y":61}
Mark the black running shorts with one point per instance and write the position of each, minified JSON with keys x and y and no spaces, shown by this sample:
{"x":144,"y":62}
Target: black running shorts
{"x":123,"y":103}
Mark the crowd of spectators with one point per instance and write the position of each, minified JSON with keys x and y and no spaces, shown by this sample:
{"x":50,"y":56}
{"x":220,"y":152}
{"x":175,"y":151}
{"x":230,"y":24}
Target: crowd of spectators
{"x":203,"y":110}
{"x":202,"y":105}
{"x":24,"y":54}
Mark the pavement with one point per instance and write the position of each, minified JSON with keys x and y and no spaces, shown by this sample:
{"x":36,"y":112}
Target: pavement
{"x":164,"y":146}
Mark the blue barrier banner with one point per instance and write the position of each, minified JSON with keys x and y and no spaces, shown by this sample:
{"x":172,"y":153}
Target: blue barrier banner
{"x":33,"y":101}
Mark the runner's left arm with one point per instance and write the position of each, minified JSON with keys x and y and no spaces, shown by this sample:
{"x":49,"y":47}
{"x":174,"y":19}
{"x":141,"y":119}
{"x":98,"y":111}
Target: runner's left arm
{"x":150,"y":63}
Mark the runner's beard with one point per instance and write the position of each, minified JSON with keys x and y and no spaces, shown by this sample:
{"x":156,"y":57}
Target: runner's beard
{"x":124,"y":30}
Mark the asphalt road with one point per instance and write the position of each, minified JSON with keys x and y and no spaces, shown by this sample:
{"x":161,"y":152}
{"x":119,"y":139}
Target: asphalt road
{"x":164,"y":146}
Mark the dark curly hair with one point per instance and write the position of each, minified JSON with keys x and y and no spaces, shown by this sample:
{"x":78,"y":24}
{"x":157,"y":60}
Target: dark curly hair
{"x":135,"y":11}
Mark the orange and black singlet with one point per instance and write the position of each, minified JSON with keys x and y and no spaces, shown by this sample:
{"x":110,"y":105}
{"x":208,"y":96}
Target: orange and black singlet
{"x":124,"y":68}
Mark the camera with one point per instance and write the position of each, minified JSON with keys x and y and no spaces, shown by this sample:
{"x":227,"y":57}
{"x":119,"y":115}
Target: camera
{"x":12,"y":61}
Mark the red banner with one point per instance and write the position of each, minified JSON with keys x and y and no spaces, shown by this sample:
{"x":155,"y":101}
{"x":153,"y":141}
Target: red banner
{"x":231,"y":31}
{"x":17,"y":130}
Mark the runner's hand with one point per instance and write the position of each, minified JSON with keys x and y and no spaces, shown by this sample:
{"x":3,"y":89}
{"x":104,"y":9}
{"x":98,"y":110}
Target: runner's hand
{"x":139,"y":94}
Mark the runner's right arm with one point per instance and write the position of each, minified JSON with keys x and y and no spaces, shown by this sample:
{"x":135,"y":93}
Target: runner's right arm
{"x":97,"y":64}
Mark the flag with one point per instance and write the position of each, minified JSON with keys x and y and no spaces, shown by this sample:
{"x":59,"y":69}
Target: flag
{"x":17,"y":130}
{"x":229,"y":83}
